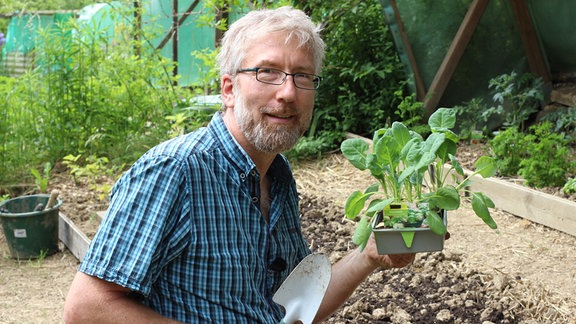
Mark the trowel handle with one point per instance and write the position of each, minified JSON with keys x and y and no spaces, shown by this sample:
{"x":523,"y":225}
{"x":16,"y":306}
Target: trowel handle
{"x":52,"y":200}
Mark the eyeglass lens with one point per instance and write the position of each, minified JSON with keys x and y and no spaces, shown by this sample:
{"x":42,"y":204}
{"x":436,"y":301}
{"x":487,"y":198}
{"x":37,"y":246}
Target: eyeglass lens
{"x":301,"y":80}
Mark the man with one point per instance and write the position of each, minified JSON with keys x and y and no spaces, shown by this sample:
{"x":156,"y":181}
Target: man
{"x":205,"y":227}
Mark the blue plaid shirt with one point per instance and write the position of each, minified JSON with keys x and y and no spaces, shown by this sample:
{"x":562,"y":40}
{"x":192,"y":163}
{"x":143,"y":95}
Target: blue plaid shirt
{"x":184,"y":231}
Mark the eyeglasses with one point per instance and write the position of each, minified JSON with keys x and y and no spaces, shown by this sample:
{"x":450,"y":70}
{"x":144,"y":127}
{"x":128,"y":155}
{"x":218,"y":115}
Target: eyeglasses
{"x":277,"y":77}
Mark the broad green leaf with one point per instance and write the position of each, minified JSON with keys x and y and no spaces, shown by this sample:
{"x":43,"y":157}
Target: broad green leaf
{"x":435,"y":223}
{"x":401,"y":133}
{"x":362,"y":233}
{"x":378,"y":204}
{"x":480,"y":205}
{"x":433,"y":142}
{"x":378,"y":134}
{"x":426,"y":159}
{"x":410,"y":153}
{"x":354,"y":149}
{"x":444,"y":198}
{"x":489,"y":203}
{"x":355,"y":203}
{"x":372,"y":188}
{"x":448,"y":148}
{"x":442,"y":119}
{"x":387,"y":151}
{"x":417,"y":178}
{"x":485,"y":166}
{"x":406,"y":173}
{"x":452,"y":136}
{"x":373,"y":165}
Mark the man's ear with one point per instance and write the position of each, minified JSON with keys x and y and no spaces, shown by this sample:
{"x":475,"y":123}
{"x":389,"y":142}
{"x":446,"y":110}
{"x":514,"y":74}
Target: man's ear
{"x":227,"y":86}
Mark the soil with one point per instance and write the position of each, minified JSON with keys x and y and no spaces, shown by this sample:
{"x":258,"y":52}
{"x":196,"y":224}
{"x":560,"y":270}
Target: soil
{"x":521,"y":273}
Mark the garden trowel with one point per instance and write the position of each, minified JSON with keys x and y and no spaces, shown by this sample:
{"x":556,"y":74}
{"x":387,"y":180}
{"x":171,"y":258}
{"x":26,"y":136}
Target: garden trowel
{"x":302,"y":292}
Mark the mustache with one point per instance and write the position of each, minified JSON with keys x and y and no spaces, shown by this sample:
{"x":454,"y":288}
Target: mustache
{"x":279,"y":110}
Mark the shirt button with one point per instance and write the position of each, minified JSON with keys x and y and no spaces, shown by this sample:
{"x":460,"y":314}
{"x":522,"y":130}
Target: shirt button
{"x":242,"y":175}
{"x":254,"y":199}
{"x":253,"y":173}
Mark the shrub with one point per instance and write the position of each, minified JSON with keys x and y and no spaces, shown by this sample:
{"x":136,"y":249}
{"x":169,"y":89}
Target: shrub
{"x":548,"y":160}
{"x":362,"y":70}
{"x":470,"y":117}
{"x":516,"y":98}
{"x":564,"y":121}
{"x":507,"y":149}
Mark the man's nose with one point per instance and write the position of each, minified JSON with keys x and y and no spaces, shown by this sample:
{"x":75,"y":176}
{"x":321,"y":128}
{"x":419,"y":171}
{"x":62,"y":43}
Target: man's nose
{"x":287,"y":90}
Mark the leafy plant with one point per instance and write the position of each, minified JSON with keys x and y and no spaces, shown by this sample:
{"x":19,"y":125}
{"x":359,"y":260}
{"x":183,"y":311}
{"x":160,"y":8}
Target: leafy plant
{"x":42,"y":179}
{"x":208,"y":75}
{"x":90,"y":94}
{"x":563,"y":121}
{"x":310,"y":147}
{"x":39,"y":261}
{"x":313,"y":145}
{"x":410,"y":112}
{"x":547,"y":161}
{"x":470,"y":118}
{"x":187,"y":119}
{"x":402,"y":162}
{"x":540,"y":156}
{"x":508,"y":150}
{"x":570,"y":186}
{"x":95,"y":170}
{"x":517,"y":97}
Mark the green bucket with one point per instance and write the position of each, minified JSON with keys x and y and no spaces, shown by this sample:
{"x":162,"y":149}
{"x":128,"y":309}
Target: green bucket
{"x":30,"y":233}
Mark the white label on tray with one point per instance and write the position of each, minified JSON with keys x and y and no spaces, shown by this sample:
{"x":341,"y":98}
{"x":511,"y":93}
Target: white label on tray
{"x":20,"y":233}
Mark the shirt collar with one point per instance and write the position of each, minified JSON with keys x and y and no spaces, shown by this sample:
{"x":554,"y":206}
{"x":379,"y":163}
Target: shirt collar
{"x":280,"y":168}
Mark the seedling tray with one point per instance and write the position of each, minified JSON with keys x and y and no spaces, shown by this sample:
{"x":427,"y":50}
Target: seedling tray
{"x":407,"y":240}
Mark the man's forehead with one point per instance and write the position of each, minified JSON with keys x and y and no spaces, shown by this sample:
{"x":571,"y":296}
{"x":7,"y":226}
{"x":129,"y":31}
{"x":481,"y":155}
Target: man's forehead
{"x":272,"y":50}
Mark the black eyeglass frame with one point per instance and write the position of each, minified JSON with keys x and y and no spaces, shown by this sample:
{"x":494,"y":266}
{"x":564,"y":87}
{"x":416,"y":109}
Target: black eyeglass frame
{"x":315,"y":78}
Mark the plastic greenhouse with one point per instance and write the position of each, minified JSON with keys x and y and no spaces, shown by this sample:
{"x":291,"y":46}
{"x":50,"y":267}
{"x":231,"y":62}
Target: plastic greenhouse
{"x":18,"y":51}
{"x":177,"y":22}
{"x":451,"y":49}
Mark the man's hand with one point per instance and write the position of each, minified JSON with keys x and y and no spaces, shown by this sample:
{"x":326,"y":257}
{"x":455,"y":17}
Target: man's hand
{"x":386,"y":261}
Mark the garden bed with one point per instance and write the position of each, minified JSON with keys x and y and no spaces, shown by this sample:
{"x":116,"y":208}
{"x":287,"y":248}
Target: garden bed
{"x":523,"y":271}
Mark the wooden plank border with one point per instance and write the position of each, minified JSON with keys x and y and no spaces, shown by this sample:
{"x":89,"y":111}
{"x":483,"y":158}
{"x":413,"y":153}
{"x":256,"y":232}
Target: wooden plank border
{"x":530,"y":204}
{"x":525,"y":202}
{"x":73,"y":237}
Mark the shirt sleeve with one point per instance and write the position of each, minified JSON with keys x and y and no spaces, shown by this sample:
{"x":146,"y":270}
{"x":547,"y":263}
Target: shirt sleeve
{"x":145,"y":226}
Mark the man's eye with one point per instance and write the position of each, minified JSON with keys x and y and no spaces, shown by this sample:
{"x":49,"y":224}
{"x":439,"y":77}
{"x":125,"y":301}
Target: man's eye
{"x":269,"y":74}
{"x":309,"y":77}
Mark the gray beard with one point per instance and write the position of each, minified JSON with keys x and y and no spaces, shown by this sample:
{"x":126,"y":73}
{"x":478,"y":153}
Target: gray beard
{"x":266,"y":138}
